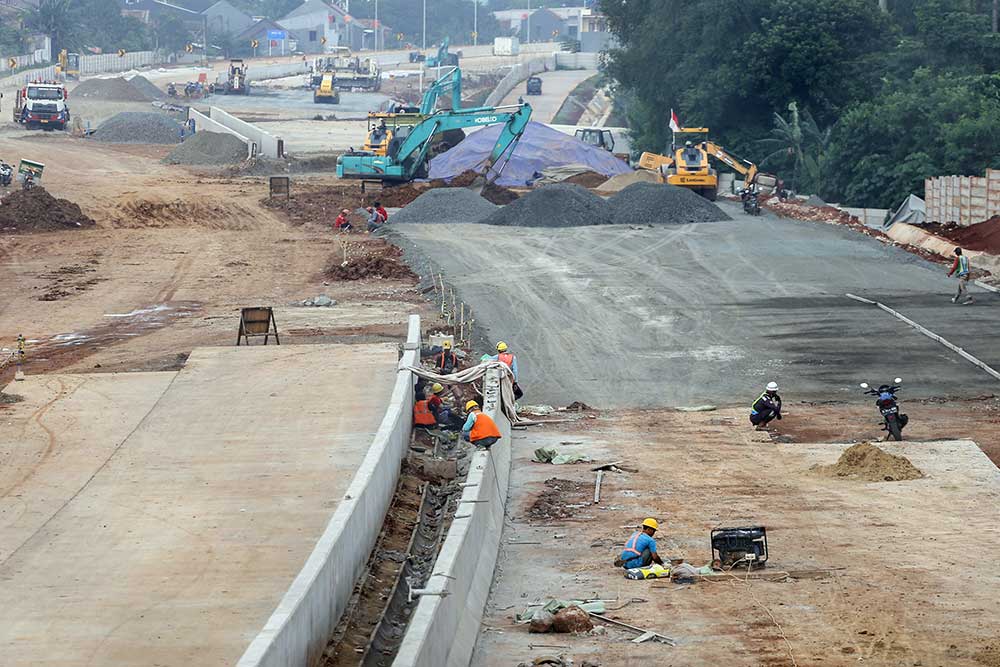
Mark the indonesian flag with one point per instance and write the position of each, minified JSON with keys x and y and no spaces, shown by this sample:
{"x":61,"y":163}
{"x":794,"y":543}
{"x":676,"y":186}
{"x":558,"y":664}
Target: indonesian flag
{"x":675,"y":124}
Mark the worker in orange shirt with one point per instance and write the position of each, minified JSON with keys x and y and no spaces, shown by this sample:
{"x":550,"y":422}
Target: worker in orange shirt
{"x":479,"y":429}
{"x":505,"y":356}
{"x":445,"y":361}
{"x":423,"y":417}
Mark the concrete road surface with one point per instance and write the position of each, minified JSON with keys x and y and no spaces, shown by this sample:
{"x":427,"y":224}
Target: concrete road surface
{"x":157,"y":519}
{"x":556,"y":86}
{"x":686,"y":314}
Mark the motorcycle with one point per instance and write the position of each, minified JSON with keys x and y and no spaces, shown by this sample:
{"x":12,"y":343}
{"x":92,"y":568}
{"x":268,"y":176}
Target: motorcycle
{"x":751,"y":203}
{"x":6,"y":174}
{"x":893,"y":421}
{"x":28,"y":182}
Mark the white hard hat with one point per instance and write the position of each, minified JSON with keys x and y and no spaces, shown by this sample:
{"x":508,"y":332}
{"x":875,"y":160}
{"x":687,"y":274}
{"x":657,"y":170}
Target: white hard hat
{"x":772,"y":386}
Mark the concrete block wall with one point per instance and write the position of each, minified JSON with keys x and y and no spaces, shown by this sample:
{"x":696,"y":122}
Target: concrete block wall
{"x":204,"y":123}
{"x":964,"y":200}
{"x":110,"y":62}
{"x":577,"y":60}
{"x":297,"y":631}
{"x":443,"y":630}
{"x":268,"y":145}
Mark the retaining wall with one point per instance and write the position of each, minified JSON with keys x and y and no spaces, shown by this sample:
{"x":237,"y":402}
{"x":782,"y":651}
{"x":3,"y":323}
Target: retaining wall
{"x":204,"y":123}
{"x":913,"y":235}
{"x":443,"y":630}
{"x":516,"y":75}
{"x":297,"y":631}
{"x":964,"y":200}
{"x":268,"y":145}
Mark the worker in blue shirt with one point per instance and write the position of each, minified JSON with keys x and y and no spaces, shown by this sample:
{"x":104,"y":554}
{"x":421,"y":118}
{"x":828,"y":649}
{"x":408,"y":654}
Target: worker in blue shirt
{"x":640,"y":549}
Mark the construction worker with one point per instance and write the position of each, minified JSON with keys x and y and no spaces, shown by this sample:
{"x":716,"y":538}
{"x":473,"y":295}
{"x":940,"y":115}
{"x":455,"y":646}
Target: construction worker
{"x":375,"y":219}
{"x":505,"y":356}
{"x":445,"y":361}
{"x":640,"y":549}
{"x":422,"y":415}
{"x":960,"y":267}
{"x":381,"y":211}
{"x":479,"y":428}
{"x":342,"y":223}
{"x":766,"y":407}
{"x":442,"y":413}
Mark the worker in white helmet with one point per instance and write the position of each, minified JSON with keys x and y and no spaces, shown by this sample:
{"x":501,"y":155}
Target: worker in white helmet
{"x":766,"y":407}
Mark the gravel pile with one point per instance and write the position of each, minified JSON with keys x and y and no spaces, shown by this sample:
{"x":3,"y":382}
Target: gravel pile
{"x":139,"y":127}
{"x":110,"y":90}
{"x":208,"y":148}
{"x":146,"y":87}
{"x":557,"y":205}
{"x":643,"y":203}
{"x":622,"y":181}
{"x":445,"y":205}
{"x":35,"y":210}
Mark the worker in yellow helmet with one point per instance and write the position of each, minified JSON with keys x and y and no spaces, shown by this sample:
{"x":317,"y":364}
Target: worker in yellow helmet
{"x":479,"y":428}
{"x":505,"y":356}
{"x":640,"y":549}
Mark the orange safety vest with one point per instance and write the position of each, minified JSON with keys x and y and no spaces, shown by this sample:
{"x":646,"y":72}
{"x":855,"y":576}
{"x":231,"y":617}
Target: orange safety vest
{"x":441,"y":359}
{"x":484,"y":427}
{"x":630,"y":547}
{"x":422,"y":415}
{"x":507,"y":358}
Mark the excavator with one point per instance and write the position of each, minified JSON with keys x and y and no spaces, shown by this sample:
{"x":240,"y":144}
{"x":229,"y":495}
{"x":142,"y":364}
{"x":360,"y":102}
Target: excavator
{"x":382,"y":126}
{"x":689,"y":167}
{"x":443,"y":58}
{"x":407,"y":152}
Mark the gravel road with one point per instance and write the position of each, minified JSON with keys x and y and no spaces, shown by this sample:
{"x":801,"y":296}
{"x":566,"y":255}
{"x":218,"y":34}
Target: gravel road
{"x":690,"y":314}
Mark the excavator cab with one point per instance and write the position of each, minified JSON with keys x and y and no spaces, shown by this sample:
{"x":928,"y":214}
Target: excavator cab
{"x":598,"y":137}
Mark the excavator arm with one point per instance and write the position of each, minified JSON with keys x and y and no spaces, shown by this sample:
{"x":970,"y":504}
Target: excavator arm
{"x":430,"y":98}
{"x":745,"y":167}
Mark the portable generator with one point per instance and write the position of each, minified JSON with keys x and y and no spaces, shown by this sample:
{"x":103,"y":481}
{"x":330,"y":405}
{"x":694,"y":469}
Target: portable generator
{"x":740,"y":547}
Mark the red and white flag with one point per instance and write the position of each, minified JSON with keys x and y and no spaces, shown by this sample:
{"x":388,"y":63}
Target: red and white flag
{"x":675,"y":124}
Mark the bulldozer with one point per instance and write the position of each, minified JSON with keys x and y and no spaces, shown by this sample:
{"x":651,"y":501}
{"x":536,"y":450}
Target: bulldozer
{"x":690,"y":167}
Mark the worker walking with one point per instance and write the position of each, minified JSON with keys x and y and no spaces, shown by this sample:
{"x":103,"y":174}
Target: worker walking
{"x":960,"y":267}
{"x":445,"y":361}
{"x":505,"y":356}
{"x":479,"y":428}
{"x":640,"y":549}
{"x":766,"y":407}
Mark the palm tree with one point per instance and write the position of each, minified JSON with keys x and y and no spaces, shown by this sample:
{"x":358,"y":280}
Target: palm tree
{"x":799,"y":139}
{"x":55,"y":18}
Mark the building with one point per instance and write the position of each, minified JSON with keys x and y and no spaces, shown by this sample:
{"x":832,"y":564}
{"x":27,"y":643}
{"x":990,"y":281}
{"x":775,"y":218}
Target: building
{"x":317,"y":25}
{"x":221,"y":16}
{"x":554,"y":24}
{"x":363,"y":35}
{"x":263,"y":31}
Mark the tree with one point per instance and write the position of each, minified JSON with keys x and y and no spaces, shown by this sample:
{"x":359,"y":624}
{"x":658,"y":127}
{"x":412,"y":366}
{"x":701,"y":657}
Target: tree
{"x":58,"y":20}
{"x":170,"y":32}
{"x":451,"y":18}
{"x":798,"y":144}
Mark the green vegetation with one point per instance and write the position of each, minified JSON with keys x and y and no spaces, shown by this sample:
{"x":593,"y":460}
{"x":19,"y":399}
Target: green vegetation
{"x":576,"y":102}
{"x":451,"y":18}
{"x":77,"y":24}
{"x":836,"y":96}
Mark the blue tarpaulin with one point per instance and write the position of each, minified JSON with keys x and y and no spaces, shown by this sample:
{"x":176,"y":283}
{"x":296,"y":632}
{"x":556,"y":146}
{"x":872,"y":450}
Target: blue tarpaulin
{"x":540,"y":147}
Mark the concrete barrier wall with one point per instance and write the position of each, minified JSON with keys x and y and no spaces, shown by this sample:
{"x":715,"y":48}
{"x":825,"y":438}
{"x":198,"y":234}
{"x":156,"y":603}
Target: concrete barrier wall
{"x":299,"y":628}
{"x":577,"y":60}
{"x":22,"y":78}
{"x":204,"y":123}
{"x":443,"y":630}
{"x":111,"y":62}
{"x":516,"y":75}
{"x":273,"y":71}
{"x":268,"y":145}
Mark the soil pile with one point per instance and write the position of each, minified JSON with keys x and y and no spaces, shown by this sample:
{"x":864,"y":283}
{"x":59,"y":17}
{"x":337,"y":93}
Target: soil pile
{"x":867,"y":462}
{"x":35,"y":210}
{"x":588,"y":179}
{"x":110,"y":90}
{"x":139,"y":127}
{"x":498,"y":194}
{"x":371,"y":259}
{"x":643,"y":203}
{"x":557,"y":205}
{"x":146,"y":87}
{"x":984,"y":236}
{"x":555,"y":500}
{"x":400,"y":195}
{"x":208,"y":148}
{"x":622,"y":181}
{"x":445,"y":205}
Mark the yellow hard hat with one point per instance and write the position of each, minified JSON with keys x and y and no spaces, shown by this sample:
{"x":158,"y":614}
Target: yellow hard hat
{"x":501,"y":346}
{"x":470,"y":405}
{"x":446,"y":345}
{"x":437,"y":388}
{"x":651,"y":523}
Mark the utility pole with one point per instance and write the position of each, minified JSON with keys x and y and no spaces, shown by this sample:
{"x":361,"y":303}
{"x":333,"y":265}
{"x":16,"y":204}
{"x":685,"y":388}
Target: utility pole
{"x":423,"y":32}
{"x":377,"y":29}
{"x":528,"y":25}
{"x":475,"y":21}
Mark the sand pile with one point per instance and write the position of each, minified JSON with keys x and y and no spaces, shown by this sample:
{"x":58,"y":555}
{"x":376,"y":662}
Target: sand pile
{"x":644,"y":203}
{"x":622,"y":181}
{"x":867,"y":462}
{"x":445,"y":205}
{"x":36,"y":210}
{"x":984,"y":236}
{"x":110,"y":90}
{"x":208,"y":148}
{"x":139,"y":127}
{"x":557,"y":205}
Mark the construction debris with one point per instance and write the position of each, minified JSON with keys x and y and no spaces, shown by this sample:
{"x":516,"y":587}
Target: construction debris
{"x":543,"y":455}
{"x":372,"y":259}
{"x":572,"y":619}
{"x":662,"y":204}
{"x":867,"y":462}
{"x":208,"y":148}
{"x":445,"y":205}
{"x":139,"y":127}
{"x":558,"y":205}
{"x":321,"y":301}
{"x":35,"y":210}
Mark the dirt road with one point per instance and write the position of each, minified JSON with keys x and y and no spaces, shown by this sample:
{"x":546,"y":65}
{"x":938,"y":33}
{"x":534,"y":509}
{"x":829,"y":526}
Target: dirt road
{"x":681,"y":315}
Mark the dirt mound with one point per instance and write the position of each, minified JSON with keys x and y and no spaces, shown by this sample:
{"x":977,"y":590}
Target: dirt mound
{"x":157,"y":213}
{"x":867,"y":462}
{"x":588,"y":179}
{"x":622,"y":181}
{"x":139,"y":127}
{"x":145,"y":86}
{"x":208,"y":148}
{"x":445,"y":205}
{"x":110,"y":90}
{"x":401,"y":195}
{"x":557,"y":205}
{"x":36,"y":210}
{"x":371,"y":259}
{"x":642,"y":203}
{"x":498,"y":194}
{"x":984,"y":236}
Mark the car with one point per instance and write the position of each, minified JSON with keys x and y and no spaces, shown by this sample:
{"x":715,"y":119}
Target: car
{"x":534,"y":85}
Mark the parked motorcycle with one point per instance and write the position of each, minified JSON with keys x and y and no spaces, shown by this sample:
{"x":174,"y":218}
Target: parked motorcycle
{"x":751,"y":202}
{"x":893,"y":421}
{"x":6,"y":174}
{"x":28,"y":182}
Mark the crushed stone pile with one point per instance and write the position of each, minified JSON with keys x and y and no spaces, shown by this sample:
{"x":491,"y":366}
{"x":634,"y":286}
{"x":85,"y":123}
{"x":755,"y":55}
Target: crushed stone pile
{"x":110,"y":90}
{"x":35,"y":210}
{"x":867,"y":462}
{"x":557,"y":205}
{"x":208,"y":148}
{"x":622,"y":181}
{"x":445,"y":205}
{"x":146,"y":87}
{"x":139,"y":127}
{"x":644,"y":203}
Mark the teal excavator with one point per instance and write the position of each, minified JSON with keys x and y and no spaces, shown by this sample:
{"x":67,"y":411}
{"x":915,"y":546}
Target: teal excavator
{"x":407,"y":153}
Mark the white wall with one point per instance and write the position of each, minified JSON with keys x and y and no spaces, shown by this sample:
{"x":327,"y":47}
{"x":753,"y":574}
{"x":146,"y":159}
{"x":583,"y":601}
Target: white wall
{"x":268,"y":145}
{"x":203,"y":123}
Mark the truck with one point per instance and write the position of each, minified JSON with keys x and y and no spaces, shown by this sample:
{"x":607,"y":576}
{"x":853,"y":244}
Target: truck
{"x":506,"y":46}
{"x":533,"y":86}
{"x":42,"y":104}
